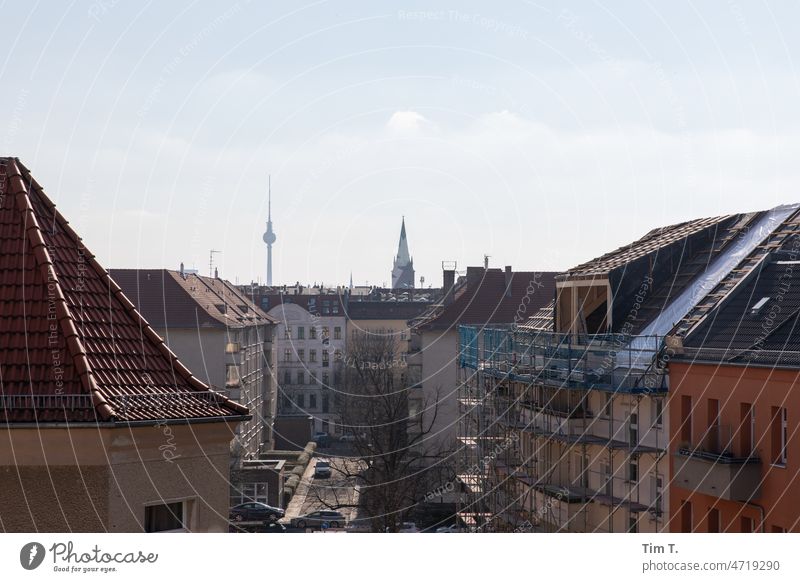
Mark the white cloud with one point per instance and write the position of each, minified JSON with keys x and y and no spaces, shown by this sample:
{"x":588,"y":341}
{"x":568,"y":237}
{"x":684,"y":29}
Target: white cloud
{"x":408,"y":124}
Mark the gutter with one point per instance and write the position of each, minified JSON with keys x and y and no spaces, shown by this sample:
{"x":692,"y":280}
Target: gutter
{"x":119,"y":424}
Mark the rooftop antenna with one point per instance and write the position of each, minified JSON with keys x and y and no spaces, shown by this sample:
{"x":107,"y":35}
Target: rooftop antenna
{"x":211,"y":261}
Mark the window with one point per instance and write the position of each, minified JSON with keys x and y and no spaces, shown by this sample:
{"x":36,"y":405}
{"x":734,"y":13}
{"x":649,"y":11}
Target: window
{"x":325,"y":380}
{"x":633,"y":429}
{"x":251,"y":492}
{"x":607,"y":404}
{"x":746,"y":524}
{"x":779,"y":434}
{"x":301,"y":377}
{"x":164,"y":517}
{"x":313,"y":378}
{"x":301,"y":355}
{"x":747,"y":429}
{"x":337,"y":333}
{"x":287,"y":332}
{"x":325,"y":426}
{"x":232,"y":347}
{"x":325,"y":403}
{"x":326,"y":333}
{"x":607,"y":477}
{"x":301,"y":333}
{"x":300,"y":399}
{"x":633,"y":523}
{"x":712,"y":434}
{"x":582,"y":470}
{"x":633,"y":470}
{"x":312,"y":355}
{"x":686,"y":516}
{"x":337,"y":355}
{"x":657,"y":405}
{"x":287,"y":377}
{"x":312,"y":401}
{"x":657,"y":493}
{"x":287,"y":355}
{"x":325,"y":358}
{"x":312,"y":332}
{"x":686,"y":420}
{"x":231,"y":375}
{"x":713,"y":520}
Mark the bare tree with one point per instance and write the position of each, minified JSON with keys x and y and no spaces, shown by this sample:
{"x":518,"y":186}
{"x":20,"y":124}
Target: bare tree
{"x":391,"y":423}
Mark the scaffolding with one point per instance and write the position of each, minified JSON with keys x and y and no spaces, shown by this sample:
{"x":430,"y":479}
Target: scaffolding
{"x":561,"y":432}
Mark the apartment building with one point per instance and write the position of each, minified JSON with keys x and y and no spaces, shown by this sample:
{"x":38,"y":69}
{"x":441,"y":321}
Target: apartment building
{"x":219,"y":334}
{"x":102,"y":428}
{"x":310,"y":339}
{"x":734,"y":404}
{"x":567,"y":416}
{"x":484,"y":296}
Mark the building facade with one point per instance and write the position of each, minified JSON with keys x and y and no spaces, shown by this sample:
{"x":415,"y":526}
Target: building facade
{"x":583,"y":385}
{"x":310,"y":340}
{"x":219,"y":334}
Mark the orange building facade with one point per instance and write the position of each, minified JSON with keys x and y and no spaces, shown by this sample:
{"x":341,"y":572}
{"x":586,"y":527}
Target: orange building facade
{"x":734,"y":449}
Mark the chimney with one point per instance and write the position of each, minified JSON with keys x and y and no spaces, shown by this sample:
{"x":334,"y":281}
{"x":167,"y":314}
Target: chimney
{"x":508,"y":280}
{"x":216,"y":273}
{"x":183,"y":275}
{"x":474,"y":277}
{"x":448,"y":280}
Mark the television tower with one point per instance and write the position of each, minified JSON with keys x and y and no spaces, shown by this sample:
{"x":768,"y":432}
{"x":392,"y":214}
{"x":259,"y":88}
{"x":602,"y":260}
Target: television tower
{"x":269,"y":236}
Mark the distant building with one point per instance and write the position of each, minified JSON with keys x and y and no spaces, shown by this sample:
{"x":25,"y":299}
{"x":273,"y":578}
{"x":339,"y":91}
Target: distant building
{"x":219,"y":333}
{"x":403,"y":265}
{"x":103,"y":428}
{"x":310,"y":338}
{"x":484,"y":297}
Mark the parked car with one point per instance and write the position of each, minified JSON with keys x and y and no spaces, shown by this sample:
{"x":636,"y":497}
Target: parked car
{"x":447,"y":529}
{"x":408,"y":527}
{"x":322,"y":470}
{"x":255,"y":511}
{"x":322,"y":439}
{"x":275,"y":527}
{"x":347,"y":438}
{"x":316,"y":519}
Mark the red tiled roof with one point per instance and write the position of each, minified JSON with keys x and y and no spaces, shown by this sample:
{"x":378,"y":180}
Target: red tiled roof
{"x":486,"y":298}
{"x":73,"y":348}
{"x":169,"y":300}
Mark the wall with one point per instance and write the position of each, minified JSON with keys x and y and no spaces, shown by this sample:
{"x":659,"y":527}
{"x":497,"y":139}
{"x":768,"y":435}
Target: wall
{"x":100,"y":479}
{"x":440,"y":374}
{"x":731,"y":386}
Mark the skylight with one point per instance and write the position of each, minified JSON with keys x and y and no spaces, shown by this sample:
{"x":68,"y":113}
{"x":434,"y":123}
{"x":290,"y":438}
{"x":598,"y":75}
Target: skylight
{"x":757,"y":307}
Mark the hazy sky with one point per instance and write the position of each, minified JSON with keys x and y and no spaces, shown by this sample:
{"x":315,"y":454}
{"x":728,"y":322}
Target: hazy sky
{"x":539,"y":133}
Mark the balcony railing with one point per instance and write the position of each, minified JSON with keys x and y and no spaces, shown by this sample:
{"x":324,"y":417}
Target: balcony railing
{"x":712,"y":467}
{"x":613,"y":362}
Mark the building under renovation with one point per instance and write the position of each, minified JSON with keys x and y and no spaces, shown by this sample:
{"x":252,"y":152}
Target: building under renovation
{"x":563,"y":420}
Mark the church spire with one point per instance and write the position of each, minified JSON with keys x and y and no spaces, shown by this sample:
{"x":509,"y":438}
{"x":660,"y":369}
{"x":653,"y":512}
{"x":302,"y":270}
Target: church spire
{"x":403,"y":266}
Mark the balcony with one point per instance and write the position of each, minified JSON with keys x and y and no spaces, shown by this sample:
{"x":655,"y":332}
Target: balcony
{"x":713,"y":469}
{"x":611,"y":362}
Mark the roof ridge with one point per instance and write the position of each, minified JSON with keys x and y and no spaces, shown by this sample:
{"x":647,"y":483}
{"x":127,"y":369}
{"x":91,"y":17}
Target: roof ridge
{"x":63,"y":313}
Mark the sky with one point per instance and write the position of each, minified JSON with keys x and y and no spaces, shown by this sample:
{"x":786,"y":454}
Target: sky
{"x":541,"y":134}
